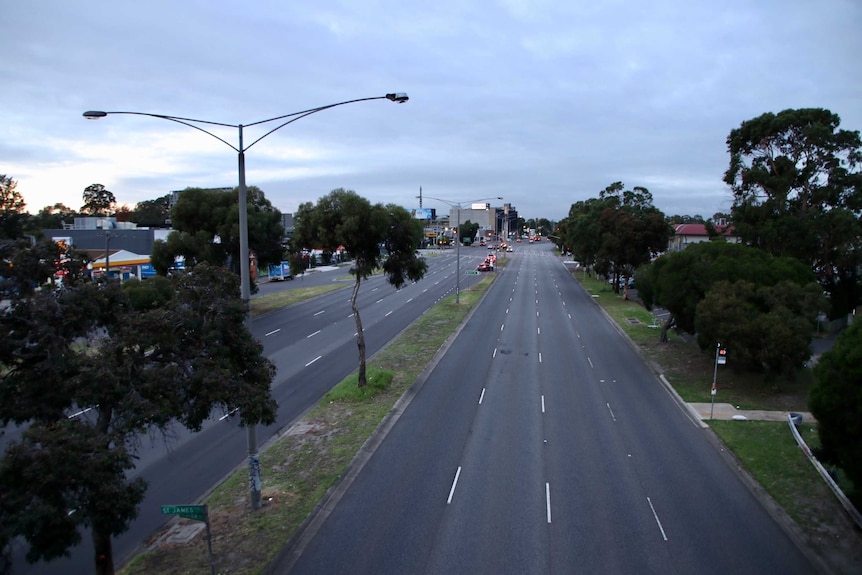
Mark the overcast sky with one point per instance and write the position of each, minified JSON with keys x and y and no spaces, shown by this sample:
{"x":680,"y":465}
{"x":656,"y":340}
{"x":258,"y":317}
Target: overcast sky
{"x":543,"y":102}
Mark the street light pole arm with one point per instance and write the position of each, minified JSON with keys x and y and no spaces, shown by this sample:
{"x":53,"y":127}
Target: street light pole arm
{"x":95,"y":115}
{"x":398,"y":97}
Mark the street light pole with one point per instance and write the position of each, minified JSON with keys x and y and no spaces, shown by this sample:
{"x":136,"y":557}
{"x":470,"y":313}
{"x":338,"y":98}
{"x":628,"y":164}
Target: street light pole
{"x":242,"y":200}
{"x":457,"y":206}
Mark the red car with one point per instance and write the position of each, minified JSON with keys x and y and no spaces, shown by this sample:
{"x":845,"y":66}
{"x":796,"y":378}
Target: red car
{"x":485,"y":267}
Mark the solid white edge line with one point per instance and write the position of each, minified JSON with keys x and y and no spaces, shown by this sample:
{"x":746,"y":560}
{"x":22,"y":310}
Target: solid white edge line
{"x":654,"y":514}
{"x":454,"y":483}
{"x":548,"y":499}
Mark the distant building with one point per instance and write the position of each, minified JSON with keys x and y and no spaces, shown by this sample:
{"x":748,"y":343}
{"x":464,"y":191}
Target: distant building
{"x":687,"y":234}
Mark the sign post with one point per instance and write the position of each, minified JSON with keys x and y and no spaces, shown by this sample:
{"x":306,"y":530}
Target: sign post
{"x":197,"y":513}
{"x":720,"y":359}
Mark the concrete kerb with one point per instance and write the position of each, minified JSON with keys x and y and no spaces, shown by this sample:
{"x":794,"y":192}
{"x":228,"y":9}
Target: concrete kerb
{"x":291,"y":552}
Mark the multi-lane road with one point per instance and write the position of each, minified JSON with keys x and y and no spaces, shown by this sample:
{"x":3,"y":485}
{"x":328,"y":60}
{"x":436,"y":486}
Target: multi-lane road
{"x":541,"y":443}
{"x":313,"y":345}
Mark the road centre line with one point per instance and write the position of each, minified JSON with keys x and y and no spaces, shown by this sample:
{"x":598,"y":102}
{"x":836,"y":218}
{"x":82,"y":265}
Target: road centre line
{"x":612,"y":411}
{"x":493,"y":355}
{"x":320,"y":312}
{"x":387,"y":313}
{"x":454,"y":483}
{"x":312,"y":334}
{"x":548,"y":500}
{"x":313,"y":360}
{"x":273,"y":332}
{"x":502,"y":326}
{"x":591,"y":362}
{"x":540,"y":357}
{"x":654,"y":514}
{"x":378,"y":301}
{"x":409,"y":300}
{"x":543,"y":404}
{"x":481,"y":397}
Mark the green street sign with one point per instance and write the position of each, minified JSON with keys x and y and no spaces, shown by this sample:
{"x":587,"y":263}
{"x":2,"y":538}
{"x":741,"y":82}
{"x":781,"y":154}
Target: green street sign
{"x":196,"y":512}
{"x":472,"y":273}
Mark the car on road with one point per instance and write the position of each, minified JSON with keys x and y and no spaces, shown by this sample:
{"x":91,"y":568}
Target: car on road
{"x":485,"y":267}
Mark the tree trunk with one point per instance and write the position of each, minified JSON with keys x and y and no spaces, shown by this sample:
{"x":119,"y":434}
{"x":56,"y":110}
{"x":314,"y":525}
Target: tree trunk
{"x":665,"y":326}
{"x":362,"y":380}
{"x":104,"y":552}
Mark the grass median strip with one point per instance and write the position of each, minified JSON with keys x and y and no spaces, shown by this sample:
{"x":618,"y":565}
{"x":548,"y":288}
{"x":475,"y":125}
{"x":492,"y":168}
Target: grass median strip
{"x":304,"y":462}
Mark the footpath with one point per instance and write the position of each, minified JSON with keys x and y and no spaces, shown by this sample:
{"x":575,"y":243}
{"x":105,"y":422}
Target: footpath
{"x":728,"y":411}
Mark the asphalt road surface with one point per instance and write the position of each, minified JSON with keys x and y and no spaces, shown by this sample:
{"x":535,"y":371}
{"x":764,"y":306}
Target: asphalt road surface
{"x":541,"y":443}
{"x":313,"y":345}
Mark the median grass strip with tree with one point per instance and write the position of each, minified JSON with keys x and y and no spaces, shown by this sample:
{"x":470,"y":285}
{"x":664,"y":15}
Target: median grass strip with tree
{"x":299,"y":466}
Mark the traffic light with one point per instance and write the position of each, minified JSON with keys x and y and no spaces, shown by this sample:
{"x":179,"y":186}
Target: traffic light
{"x":722,"y":356}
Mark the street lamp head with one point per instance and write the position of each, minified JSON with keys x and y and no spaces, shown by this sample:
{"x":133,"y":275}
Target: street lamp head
{"x":94,"y":114}
{"x":397,"y":97}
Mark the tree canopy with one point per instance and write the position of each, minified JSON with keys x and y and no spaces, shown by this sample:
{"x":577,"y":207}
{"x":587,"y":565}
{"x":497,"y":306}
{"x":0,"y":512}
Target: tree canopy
{"x":206,"y":229}
{"x":797,"y":191}
{"x":765,"y":328}
{"x":152,"y":213}
{"x":12,"y":214}
{"x":98,"y":201}
{"x":616,"y":232}
{"x":764,"y":307}
{"x":836,"y":402}
{"x":137,"y":362}
{"x":374,"y":236}
{"x":467,"y":231}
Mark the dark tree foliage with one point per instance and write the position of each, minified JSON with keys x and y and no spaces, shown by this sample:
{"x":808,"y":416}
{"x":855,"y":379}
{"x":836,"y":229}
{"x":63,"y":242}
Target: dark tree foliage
{"x":467,"y":231}
{"x":836,"y":402}
{"x":152,"y":213}
{"x":797,"y":191}
{"x":138,"y":359}
{"x":582,"y":235}
{"x":765,"y":328}
{"x":616,"y":232}
{"x":679,"y":281}
{"x":632,"y":230}
{"x":51,"y":218}
{"x":12,"y":215}
{"x":98,"y":201}
{"x":206,"y":228}
{"x":374,"y":236}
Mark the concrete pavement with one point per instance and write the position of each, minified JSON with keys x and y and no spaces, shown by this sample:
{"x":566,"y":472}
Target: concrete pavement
{"x":728,"y":411}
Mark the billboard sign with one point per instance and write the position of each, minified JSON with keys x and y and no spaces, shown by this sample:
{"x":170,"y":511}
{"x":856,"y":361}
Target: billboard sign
{"x":424,"y":213}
